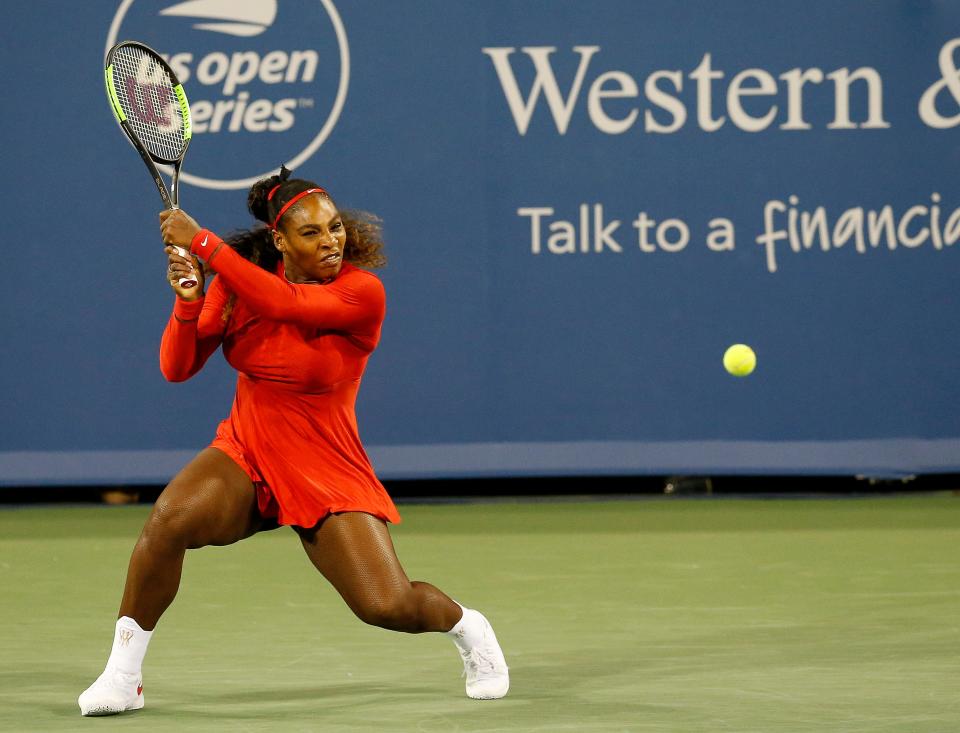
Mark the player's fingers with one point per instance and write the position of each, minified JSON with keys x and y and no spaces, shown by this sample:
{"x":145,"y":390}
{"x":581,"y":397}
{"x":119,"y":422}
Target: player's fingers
{"x":170,"y":235}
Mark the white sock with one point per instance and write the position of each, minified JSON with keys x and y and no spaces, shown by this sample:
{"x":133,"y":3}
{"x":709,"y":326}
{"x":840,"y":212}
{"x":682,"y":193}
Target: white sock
{"x":468,"y":631}
{"x":129,"y":646}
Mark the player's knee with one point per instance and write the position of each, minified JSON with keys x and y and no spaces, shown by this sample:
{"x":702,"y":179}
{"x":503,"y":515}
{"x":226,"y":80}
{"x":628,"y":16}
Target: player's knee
{"x":395,"y":611}
{"x":170,"y":523}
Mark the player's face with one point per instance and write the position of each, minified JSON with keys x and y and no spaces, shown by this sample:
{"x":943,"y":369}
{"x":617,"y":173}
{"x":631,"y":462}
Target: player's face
{"x":312,"y":238}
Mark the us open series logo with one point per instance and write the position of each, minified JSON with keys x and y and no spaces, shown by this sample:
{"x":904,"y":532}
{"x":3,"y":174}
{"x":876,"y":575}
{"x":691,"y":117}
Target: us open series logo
{"x":266,"y":81}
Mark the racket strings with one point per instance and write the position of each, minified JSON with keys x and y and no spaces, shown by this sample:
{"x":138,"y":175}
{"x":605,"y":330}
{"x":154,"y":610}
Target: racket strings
{"x":148,"y":100}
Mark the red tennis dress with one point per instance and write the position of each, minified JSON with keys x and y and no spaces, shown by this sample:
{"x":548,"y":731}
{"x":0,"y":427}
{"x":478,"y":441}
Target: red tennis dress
{"x":300,"y":350}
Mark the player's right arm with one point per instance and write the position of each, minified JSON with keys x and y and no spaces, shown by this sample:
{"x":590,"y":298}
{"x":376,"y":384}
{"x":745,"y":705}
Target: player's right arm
{"x":194,"y":331}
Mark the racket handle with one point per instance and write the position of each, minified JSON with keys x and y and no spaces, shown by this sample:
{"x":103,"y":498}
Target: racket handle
{"x":185,"y":282}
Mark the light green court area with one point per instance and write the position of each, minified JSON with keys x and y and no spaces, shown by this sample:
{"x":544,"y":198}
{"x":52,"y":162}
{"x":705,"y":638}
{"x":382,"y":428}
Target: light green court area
{"x":647,"y":615}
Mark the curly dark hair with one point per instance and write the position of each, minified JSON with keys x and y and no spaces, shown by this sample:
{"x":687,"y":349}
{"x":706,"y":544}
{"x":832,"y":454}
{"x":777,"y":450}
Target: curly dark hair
{"x":364,"y":244}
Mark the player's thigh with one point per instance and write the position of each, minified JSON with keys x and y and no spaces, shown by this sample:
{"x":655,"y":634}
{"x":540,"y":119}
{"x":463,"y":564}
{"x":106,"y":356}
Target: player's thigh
{"x":211,"y":501}
{"x":354,"y":551}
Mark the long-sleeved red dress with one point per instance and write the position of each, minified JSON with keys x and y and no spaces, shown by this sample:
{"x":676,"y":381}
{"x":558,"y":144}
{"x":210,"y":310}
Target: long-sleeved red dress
{"x":300,"y":351}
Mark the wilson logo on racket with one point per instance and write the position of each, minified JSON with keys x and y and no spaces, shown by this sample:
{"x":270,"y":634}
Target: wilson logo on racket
{"x":267,"y":80}
{"x":150,"y":98}
{"x":153,"y":101}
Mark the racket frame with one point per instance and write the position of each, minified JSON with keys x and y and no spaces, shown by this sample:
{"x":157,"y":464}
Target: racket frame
{"x":170,"y":198}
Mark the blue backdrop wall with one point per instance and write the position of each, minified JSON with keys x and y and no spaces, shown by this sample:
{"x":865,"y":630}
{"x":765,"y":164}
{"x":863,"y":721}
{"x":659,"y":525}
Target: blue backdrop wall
{"x":585,"y":204}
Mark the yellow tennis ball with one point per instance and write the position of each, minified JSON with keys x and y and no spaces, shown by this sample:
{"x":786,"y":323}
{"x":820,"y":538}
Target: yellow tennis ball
{"x":739,"y":360}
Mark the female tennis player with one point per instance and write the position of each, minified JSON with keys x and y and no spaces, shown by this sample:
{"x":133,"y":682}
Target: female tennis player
{"x":298,"y":319}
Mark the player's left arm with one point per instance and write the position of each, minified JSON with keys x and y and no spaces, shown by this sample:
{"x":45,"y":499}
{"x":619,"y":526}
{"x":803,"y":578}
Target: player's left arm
{"x":355,"y":303}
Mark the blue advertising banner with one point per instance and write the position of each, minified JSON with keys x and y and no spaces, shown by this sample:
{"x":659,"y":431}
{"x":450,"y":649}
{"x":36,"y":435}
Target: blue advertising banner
{"x":585,"y":204}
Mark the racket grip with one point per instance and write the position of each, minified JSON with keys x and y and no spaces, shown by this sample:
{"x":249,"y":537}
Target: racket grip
{"x":186,"y":282}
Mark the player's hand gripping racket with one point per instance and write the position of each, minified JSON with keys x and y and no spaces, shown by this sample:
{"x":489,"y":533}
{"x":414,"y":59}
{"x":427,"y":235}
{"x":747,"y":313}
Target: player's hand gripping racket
{"x":149,"y":103}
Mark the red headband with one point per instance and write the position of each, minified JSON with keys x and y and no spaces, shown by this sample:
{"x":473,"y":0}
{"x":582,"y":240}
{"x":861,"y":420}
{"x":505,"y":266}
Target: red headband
{"x":273,"y":191}
{"x":292,"y":201}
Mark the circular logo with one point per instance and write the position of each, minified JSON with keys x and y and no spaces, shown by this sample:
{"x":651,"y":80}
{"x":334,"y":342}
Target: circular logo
{"x":266,"y":81}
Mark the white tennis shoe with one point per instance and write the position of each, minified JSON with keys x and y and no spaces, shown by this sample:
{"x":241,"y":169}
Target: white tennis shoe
{"x":484,"y":666}
{"x":113,"y":692}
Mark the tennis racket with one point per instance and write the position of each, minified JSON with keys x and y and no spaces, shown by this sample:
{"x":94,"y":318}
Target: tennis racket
{"x":149,"y":103}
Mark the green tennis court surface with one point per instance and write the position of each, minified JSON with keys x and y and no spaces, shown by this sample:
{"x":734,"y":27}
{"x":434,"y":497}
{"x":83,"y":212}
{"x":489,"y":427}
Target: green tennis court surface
{"x":649,"y":615}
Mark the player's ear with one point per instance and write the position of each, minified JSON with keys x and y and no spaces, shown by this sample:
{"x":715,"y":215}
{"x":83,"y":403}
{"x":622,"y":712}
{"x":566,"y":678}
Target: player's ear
{"x":278,"y":241}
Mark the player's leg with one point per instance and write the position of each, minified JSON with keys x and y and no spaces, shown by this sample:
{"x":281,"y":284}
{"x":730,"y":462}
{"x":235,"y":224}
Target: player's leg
{"x":354,"y":551}
{"x":210,"y":502}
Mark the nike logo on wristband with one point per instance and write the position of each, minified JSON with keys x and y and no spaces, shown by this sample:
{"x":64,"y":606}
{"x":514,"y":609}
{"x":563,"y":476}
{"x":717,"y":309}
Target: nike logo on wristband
{"x":204,"y":242}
